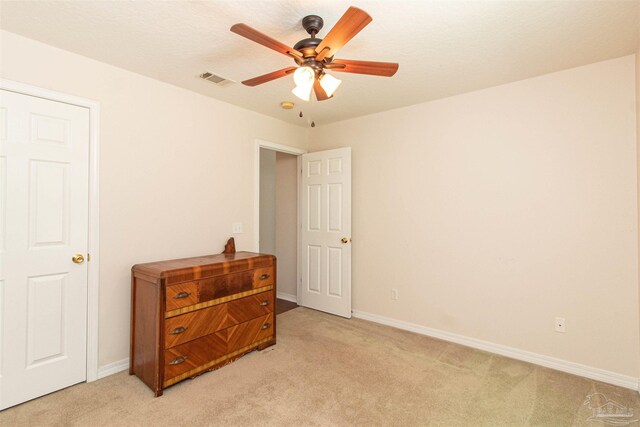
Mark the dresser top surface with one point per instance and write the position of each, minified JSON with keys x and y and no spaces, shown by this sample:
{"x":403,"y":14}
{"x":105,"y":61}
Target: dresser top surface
{"x":201,"y":266}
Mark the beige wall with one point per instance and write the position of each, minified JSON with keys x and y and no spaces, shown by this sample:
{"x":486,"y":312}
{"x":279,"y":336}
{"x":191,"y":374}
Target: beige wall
{"x":494,"y":211}
{"x":286,"y":221}
{"x":267,"y":227}
{"x":176,"y":168}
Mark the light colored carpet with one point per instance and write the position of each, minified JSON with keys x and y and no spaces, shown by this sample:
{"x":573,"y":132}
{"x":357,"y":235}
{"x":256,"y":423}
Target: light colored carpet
{"x":331,"y":371}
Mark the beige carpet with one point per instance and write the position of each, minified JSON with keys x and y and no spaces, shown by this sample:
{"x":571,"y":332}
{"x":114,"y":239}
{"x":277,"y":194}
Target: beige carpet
{"x":331,"y":371}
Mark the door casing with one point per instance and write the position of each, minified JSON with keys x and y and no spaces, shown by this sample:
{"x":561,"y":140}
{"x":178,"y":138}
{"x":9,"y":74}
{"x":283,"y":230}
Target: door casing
{"x":93,"y":266}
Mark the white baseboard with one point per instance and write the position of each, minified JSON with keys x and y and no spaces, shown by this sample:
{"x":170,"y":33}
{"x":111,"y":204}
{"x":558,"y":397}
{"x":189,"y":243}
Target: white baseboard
{"x":113,"y":368}
{"x":514,"y":353}
{"x":287,"y":297}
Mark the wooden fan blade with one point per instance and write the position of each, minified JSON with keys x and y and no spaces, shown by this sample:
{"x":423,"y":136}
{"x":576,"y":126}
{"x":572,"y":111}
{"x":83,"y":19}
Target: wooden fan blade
{"x":321,"y":95}
{"x":263,"y":39}
{"x":351,"y":23}
{"x":268,"y":77}
{"x":384,"y":69}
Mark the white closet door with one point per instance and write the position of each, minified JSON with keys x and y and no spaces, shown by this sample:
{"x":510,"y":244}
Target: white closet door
{"x":44,"y":165}
{"x":325,"y":239}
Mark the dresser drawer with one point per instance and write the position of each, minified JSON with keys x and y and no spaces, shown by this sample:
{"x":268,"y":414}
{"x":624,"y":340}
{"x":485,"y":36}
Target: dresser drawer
{"x":195,"y":353}
{"x":263,"y":277}
{"x":244,"y":334}
{"x":185,"y":357}
{"x":189,"y":326}
{"x":181,"y":295}
{"x":251,"y":307}
{"x":229,"y":284}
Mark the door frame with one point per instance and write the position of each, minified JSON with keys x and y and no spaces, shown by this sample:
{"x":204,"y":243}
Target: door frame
{"x":93,"y":266}
{"x":259,"y":143}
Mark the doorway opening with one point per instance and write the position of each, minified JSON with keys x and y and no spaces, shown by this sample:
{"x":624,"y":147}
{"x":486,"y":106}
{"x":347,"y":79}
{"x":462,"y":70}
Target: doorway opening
{"x":278,"y":219}
{"x":317,"y":187}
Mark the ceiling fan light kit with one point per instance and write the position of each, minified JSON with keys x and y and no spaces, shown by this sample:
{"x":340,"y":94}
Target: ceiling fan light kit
{"x":329,"y":83}
{"x":302,"y":92}
{"x":314,"y":56}
{"x":303,"y":78}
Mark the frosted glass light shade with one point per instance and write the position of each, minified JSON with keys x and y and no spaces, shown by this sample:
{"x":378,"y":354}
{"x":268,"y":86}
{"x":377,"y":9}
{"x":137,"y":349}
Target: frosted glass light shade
{"x":303,"y":92}
{"x":304,"y":76}
{"x":329,"y":83}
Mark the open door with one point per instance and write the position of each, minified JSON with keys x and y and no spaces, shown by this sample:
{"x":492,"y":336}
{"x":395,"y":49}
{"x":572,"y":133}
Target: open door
{"x":325,"y":235}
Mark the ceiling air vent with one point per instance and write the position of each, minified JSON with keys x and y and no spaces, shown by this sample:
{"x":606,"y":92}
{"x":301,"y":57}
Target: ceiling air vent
{"x":214,"y":78}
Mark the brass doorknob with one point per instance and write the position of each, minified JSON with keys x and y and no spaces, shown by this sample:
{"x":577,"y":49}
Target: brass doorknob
{"x":345,"y":240}
{"x":78,"y":258}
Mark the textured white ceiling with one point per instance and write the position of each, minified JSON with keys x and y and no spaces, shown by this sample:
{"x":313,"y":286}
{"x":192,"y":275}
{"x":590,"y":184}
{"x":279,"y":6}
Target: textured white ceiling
{"x":443,"y":47}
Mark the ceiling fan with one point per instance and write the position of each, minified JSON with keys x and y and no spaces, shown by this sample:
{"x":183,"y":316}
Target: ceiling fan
{"x":314,"y":56}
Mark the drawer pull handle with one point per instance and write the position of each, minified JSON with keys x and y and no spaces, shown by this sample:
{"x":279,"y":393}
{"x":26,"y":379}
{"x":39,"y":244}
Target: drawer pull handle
{"x":266,"y":326}
{"x":264,"y":303}
{"x":178,"y":330}
{"x":264,"y":277}
{"x":182,"y":295}
{"x":178,"y":360}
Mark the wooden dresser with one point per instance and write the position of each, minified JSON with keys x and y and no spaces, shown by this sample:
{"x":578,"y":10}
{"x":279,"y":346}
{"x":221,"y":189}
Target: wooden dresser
{"x":193,"y":315}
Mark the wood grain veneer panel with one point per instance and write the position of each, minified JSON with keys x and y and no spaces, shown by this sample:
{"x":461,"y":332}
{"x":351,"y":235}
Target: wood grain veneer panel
{"x":190,"y":326}
{"x":193,"y":354}
{"x":263,"y":277}
{"x":216,"y":301}
{"x":189,"y":269}
{"x":222,"y":286}
{"x":251,"y":307}
{"x":176,"y":295}
{"x":216,"y":363}
{"x":245,"y":333}
{"x":146,"y":340}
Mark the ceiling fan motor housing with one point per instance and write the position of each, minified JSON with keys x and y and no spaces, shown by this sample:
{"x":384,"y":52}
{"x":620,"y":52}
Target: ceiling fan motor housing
{"x":312,"y":25}
{"x":307,"y":47}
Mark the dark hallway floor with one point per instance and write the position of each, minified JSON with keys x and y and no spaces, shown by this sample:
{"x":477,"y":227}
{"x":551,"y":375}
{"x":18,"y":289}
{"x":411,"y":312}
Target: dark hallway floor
{"x":284,"y":305}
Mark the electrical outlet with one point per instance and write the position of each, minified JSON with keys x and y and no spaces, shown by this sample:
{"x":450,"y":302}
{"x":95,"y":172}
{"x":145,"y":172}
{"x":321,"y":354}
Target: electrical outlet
{"x":236,"y":228}
{"x":394,"y":294}
{"x":561,"y":325}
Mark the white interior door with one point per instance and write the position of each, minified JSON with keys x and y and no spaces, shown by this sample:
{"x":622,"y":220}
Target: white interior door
{"x":44,"y":165}
{"x":325,"y":235}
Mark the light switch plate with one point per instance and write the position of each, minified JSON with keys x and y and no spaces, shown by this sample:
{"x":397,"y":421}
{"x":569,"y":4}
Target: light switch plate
{"x":236,"y":228}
